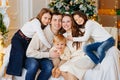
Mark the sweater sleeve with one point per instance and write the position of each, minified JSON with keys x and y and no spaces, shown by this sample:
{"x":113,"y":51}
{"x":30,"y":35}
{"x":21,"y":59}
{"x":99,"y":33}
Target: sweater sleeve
{"x":66,"y":55}
{"x":36,"y":49}
{"x":87,"y":34}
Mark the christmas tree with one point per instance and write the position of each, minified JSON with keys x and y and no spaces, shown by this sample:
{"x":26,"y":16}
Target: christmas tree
{"x":3,"y":29}
{"x":69,"y":6}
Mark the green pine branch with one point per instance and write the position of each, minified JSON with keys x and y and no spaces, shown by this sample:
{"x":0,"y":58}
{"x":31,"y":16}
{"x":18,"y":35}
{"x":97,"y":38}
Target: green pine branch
{"x":3,"y":29}
{"x":63,"y":6}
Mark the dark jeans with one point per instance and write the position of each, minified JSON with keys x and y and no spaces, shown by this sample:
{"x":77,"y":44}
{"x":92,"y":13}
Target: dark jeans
{"x":17,"y":55}
{"x":96,"y":51}
{"x":32,"y":65}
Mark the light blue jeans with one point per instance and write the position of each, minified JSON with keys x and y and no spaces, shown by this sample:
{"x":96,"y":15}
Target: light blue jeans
{"x":96,"y":51}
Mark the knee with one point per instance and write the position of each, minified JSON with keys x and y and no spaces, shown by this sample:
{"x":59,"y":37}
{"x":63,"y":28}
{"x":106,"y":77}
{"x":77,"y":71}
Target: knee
{"x":86,"y":48}
{"x":100,"y":51}
{"x":32,"y":64}
{"x":49,"y":68}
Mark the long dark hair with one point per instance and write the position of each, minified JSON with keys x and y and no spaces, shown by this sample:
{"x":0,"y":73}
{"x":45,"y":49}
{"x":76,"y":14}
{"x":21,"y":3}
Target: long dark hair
{"x":75,"y":31}
{"x":78,"y":31}
{"x":83,"y":15}
{"x":39,"y":16}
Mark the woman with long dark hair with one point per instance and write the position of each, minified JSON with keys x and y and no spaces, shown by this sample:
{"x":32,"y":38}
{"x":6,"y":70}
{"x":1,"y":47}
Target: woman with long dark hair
{"x":79,"y":63}
{"x":102,"y":39}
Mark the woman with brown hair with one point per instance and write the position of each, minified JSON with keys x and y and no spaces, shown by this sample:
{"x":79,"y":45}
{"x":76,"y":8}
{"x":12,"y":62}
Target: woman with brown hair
{"x":79,"y":63}
{"x":22,"y":38}
{"x":102,"y":39}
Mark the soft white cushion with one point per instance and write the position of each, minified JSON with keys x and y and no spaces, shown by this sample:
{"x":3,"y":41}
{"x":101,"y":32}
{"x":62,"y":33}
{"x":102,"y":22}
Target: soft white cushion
{"x":110,"y":60}
{"x":114,"y":32}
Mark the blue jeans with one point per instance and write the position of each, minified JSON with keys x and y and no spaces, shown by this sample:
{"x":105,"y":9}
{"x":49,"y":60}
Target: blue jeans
{"x":17,"y":55}
{"x":32,"y":65}
{"x":96,"y":51}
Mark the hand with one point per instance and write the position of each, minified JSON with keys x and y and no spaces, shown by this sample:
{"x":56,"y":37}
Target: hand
{"x":70,"y":38}
{"x":59,"y":52}
{"x":54,"y":54}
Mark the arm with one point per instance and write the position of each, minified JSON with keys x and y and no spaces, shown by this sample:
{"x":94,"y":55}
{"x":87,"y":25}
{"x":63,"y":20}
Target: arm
{"x":36,"y":49}
{"x":39,"y":31}
{"x":87,"y":34}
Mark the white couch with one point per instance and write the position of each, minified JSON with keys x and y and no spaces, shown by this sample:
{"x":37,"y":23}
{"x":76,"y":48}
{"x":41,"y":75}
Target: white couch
{"x":108,"y":70}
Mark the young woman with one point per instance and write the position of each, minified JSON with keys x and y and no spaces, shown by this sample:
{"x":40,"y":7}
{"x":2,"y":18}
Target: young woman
{"x":79,"y":63}
{"x":22,"y":38}
{"x":102,"y":39}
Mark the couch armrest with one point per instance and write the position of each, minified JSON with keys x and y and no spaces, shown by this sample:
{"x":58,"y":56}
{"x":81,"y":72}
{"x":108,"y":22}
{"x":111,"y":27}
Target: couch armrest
{"x":114,"y":32}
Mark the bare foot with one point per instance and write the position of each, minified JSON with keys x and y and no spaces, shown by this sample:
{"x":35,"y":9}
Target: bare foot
{"x":7,"y":77}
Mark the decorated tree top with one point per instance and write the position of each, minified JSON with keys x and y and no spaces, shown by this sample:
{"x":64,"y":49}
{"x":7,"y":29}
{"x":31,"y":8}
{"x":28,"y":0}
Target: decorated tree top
{"x":69,"y":6}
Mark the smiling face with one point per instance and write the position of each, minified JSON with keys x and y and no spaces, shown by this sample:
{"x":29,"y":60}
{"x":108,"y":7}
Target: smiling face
{"x":60,"y":45}
{"x":67,"y":23}
{"x":46,"y":18}
{"x":56,"y":22}
{"x":79,"y":20}
{"x":59,"y":42}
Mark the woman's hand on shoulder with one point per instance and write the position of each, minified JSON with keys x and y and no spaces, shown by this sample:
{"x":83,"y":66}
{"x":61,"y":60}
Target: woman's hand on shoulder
{"x":54,"y":54}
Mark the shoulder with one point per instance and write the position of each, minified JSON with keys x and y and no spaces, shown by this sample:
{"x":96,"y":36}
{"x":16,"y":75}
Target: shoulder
{"x":91,"y":24}
{"x":47,"y":28}
{"x":65,"y":34}
{"x":53,"y":48}
{"x":35,"y":21}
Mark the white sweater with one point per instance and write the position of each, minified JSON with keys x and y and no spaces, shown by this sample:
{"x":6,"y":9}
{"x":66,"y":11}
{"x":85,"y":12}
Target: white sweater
{"x":95,"y":31}
{"x":31,"y":27}
{"x":37,"y":47}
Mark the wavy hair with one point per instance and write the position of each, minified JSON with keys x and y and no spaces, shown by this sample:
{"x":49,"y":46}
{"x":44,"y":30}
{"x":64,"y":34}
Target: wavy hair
{"x":39,"y":16}
{"x":75,"y":31}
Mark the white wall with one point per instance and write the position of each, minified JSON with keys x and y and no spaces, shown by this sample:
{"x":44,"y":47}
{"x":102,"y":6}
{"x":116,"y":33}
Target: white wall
{"x":38,"y":5}
{"x":25,"y":11}
{"x":30,"y":8}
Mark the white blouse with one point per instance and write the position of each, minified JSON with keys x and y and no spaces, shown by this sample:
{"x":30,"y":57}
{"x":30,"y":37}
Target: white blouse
{"x":31,"y":27}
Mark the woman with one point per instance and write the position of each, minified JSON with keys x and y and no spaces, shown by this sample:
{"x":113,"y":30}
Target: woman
{"x":22,"y":38}
{"x":79,"y":63}
{"x":102,"y":39}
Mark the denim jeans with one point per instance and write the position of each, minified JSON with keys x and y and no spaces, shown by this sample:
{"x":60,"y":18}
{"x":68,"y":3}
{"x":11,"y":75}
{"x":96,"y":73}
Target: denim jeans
{"x":32,"y":65}
{"x":17,"y":55}
{"x":96,"y":51}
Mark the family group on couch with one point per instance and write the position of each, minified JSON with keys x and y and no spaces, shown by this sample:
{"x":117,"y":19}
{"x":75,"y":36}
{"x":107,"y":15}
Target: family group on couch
{"x":81,"y":45}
